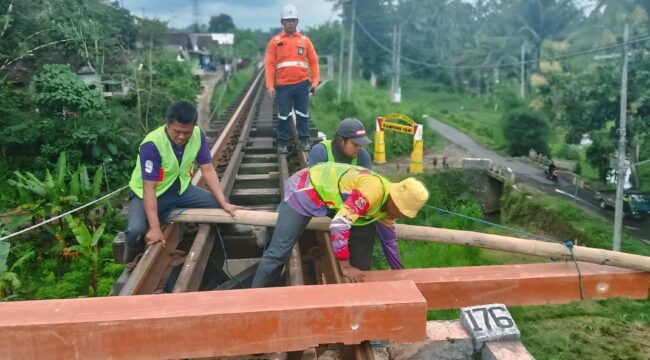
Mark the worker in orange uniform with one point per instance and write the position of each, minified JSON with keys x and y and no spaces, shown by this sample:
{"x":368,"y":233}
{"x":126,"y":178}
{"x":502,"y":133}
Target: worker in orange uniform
{"x":289,"y":56}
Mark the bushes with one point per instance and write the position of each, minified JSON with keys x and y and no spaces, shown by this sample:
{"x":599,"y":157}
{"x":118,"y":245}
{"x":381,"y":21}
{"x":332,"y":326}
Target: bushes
{"x":525,"y":129}
{"x":561,"y":220}
{"x":448,"y":190}
{"x":60,"y":93}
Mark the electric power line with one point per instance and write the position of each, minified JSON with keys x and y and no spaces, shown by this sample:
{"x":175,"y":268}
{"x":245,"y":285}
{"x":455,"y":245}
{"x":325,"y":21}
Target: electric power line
{"x":502,"y":65}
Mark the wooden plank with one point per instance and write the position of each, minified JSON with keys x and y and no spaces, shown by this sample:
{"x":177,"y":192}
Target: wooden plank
{"x":268,"y":176}
{"x":259,"y":165}
{"x":447,"y":236}
{"x":210,"y":324}
{"x":255,"y":192}
{"x":528,"y":284}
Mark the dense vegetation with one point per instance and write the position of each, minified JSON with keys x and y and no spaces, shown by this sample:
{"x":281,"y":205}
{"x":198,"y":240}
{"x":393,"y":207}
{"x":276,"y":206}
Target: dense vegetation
{"x":65,"y":144}
{"x":583,"y":329}
{"x":572,"y":70}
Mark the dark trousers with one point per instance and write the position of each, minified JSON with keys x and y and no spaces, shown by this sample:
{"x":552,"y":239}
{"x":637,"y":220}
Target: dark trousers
{"x":295,"y":96}
{"x":288,"y":229}
{"x":193,"y":197}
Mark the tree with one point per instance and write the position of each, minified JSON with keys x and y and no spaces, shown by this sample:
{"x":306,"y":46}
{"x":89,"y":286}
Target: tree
{"x":25,"y":32}
{"x":583,"y":102}
{"x":525,"y":130}
{"x":600,"y":151}
{"x":250,"y":43}
{"x":60,"y":93}
{"x":151,"y":33}
{"x":98,"y":29}
{"x":221,"y":23}
{"x":538,"y":20}
{"x":326,"y":38}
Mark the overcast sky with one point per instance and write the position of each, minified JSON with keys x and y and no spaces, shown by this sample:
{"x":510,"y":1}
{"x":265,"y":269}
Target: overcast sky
{"x":251,"y":14}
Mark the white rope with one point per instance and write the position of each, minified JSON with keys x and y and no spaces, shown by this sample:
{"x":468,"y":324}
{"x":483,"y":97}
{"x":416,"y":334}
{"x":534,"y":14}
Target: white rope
{"x":62,"y":215}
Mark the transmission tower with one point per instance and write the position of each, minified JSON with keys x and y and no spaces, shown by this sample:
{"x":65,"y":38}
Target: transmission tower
{"x":195,"y":14}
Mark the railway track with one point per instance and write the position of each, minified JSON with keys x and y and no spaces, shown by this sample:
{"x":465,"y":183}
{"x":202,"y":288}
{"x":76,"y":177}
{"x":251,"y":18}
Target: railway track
{"x":201,"y":257}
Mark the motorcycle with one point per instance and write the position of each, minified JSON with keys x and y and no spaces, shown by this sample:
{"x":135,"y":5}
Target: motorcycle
{"x":552,"y":175}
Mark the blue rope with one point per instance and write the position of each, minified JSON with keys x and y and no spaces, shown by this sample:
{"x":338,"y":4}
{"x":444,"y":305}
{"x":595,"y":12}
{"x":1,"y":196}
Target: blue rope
{"x":569,"y":245}
{"x":493,"y":224}
{"x":225,"y":256}
{"x":223,"y":245}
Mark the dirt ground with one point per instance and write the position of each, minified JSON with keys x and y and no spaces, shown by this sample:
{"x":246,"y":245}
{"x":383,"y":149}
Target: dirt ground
{"x":208,"y":82}
{"x":450,"y":155}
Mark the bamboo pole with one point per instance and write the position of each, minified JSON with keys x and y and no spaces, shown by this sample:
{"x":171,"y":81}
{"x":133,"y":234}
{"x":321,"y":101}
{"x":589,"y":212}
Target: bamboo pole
{"x":432,"y":234}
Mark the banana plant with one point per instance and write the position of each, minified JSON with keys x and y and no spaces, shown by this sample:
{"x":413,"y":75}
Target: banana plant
{"x":43,"y":198}
{"x":87,"y":247}
{"x":9,"y":281}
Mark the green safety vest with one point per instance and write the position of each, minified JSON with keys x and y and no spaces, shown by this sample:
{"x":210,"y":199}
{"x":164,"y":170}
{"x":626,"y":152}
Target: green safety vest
{"x":325,"y":178}
{"x":170,"y":168}
{"x":330,"y":154}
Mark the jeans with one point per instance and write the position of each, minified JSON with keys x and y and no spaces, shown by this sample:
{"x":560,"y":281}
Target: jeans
{"x":193,"y":197}
{"x":294,"y":96}
{"x":288,"y":228}
{"x":361,"y":242}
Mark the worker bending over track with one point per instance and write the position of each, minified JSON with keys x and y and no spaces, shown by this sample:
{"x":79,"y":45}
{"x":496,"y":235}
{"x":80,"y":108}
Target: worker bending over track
{"x":358,"y":196}
{"x":347,"y":148}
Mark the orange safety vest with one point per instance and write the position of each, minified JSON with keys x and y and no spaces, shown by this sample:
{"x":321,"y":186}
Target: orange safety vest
{"x":288,"y":57}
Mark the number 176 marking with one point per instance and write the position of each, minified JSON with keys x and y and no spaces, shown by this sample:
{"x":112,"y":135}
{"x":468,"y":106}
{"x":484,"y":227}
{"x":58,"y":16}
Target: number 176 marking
{"x":503,"y":322}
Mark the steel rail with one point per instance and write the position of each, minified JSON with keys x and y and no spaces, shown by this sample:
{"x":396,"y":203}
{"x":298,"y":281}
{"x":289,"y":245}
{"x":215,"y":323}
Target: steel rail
{"x":147,"y":275}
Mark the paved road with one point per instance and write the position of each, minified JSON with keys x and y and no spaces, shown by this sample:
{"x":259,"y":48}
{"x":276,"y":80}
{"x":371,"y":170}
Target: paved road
{"x":534,"y":175}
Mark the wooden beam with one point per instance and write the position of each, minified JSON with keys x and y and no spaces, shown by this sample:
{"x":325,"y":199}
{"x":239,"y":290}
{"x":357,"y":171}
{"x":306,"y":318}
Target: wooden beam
{"x":432,"y":234}
{"x":211,"y":324}
{"x":529,"y":284}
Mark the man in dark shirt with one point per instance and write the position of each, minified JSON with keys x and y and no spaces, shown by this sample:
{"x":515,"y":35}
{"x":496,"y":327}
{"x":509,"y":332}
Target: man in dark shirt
{"x":161,"y":180}
{"x":346,"y":147}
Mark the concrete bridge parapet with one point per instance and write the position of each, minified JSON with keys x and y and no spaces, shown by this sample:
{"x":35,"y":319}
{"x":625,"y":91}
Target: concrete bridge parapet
{"x":487,"y":180}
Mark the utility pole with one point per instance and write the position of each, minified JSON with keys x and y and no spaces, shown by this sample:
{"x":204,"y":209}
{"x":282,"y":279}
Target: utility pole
{"x":398,"y":86}
{"x":620,"y":174}
{"x":351,"y":51}
{"x":522,"y":91}
{"x":393,"y":80}
{"x":341,"y":60}
{"x":195,"y":14}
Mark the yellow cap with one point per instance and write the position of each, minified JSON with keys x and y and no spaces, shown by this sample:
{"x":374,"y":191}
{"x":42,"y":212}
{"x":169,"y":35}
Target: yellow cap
{"x":409,"y":195}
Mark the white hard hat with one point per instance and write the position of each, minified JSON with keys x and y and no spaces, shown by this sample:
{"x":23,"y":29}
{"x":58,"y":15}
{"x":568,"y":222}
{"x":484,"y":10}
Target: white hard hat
{"x":289,"y":12}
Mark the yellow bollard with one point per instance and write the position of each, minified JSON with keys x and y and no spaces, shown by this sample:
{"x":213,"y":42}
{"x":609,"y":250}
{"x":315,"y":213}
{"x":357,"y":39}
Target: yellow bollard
{"x":417,"y":155}
{"x":379,"y":155}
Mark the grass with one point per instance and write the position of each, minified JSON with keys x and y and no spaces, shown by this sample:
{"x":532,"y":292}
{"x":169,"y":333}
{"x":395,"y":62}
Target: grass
{"x":561,"y":219}
{"x":599,"y":330}
{"x":478,"y":117}
{"x":366,"y":104}
{"x":232,"y":89}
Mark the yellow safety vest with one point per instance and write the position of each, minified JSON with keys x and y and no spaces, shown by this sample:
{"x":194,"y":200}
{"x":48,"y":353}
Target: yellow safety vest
{"x":170,"y":169}
{"x":325,"y":178}
{"x":330,"y":154}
